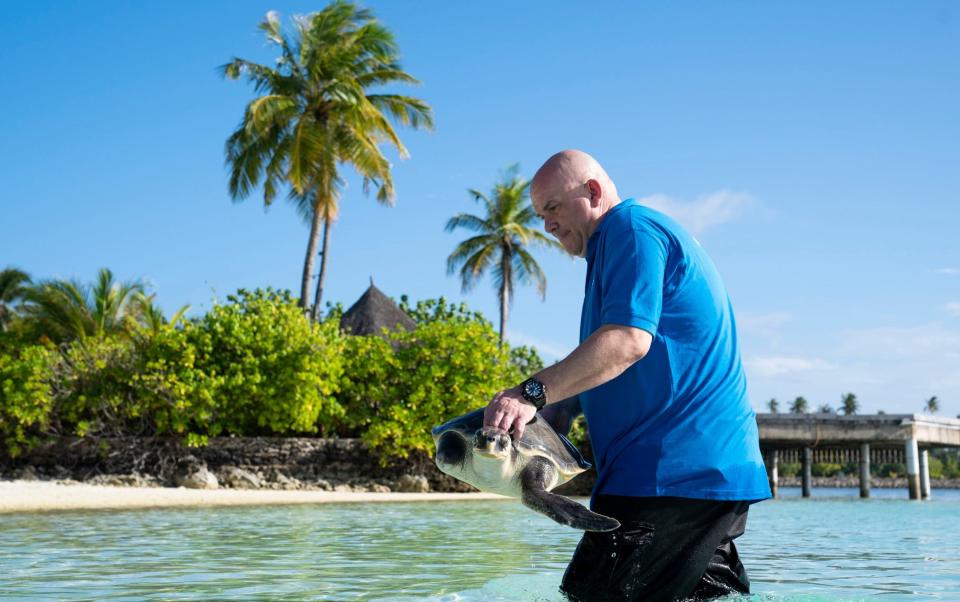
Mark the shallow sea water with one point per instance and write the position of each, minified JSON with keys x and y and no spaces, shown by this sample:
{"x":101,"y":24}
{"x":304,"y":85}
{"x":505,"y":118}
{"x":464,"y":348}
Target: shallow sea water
{"x":831,"y":547}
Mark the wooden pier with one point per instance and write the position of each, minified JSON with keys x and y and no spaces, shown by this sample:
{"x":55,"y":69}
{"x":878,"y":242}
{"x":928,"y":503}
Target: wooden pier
{"x":809,"y":438}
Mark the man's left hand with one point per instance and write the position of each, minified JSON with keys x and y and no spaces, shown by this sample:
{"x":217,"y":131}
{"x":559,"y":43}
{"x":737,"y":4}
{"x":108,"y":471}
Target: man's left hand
{"x":508,"y":411}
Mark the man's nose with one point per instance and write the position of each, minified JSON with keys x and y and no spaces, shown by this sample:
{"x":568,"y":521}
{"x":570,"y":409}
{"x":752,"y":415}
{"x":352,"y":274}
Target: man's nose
{"x":549,"y":225}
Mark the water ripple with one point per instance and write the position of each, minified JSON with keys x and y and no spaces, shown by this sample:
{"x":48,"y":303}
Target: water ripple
{"x":821,"y":549}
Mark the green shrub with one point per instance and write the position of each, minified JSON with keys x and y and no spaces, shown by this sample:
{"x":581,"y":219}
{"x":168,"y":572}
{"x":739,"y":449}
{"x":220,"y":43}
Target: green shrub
{"x":445,"y":369}
{"x":825,"y":469}
{"x":945,"y":463}
{"x":252,"y":366}
{"x":888,"y":469}
{"x":92,"y":389}
{"x":789,"y":469}
{"x":26,"y":403}
{"x":176,"y":392}
{"x":394,"y":391}
{"x":578,"y":434}
{"x":369,"y":380}
{"x":256,"y":365}
{"x":275,"y":371}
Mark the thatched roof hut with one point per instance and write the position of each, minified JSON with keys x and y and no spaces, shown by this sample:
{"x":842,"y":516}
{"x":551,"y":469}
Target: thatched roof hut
{"x":372,"y":312}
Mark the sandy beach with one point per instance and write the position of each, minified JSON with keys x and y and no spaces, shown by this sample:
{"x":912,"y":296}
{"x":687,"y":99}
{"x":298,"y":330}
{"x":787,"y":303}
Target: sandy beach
{"x":45,"y":496}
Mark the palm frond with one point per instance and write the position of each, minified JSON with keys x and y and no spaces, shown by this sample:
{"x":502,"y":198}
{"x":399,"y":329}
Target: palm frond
{"x":526,"y":269}
{"x":315,"y":111}
{"x":378,"y":75}
{"x":470,"y":222}
{"x":307,"y":146}
{"x":488,"y":204}
{"x":405,"y":109}
{"x":501,"y":249}
{"x":468,"y":248}
{"x":475,"y":265}
{"x":13,"y":283}
{"x":63,"y":310}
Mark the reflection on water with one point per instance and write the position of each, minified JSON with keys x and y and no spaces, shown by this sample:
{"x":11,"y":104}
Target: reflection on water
{"x":820,"y":549}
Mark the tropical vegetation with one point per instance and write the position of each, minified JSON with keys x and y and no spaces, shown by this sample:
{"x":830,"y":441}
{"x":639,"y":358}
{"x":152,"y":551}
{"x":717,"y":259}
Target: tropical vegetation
{"x":849,"y":404}
{"x":252,"y":365}
{"x":317,"y":111}
{"x":13,"y":286}
{"x":505,"y":230}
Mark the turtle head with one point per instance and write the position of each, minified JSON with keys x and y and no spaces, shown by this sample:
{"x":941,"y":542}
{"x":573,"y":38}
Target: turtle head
{"x":492,"y":442}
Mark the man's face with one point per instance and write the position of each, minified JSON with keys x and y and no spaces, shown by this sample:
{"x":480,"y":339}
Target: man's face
{"x":567,"y":213}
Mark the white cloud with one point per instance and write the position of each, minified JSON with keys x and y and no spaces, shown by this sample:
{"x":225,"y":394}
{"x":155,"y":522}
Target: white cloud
{"x":548,"y":350}
{"x":779,"y":365}
{"x":705,"y":212}
{"x":929,"y":342}
{"x":765,"y":324}
{"x":953,"y":308}
{"x":891,"y":368}
{"x":949,"y":271}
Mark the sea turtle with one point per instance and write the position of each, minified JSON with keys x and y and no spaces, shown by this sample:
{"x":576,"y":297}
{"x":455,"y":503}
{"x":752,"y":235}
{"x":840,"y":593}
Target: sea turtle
{"x":490,"y":460}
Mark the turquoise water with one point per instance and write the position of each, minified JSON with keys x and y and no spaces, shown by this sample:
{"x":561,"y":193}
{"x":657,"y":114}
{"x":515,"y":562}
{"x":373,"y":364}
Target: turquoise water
{"x":831,"y":547}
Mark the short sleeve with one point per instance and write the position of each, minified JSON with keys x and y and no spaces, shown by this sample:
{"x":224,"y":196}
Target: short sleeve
{"x":634,"y":263}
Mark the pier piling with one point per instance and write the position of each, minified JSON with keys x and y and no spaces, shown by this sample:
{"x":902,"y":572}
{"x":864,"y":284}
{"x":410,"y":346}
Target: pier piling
{"x":831,"y":438}
{"x":913,"y":468}
{"x":924,"y":475}
{"x":772,"y":471}
{"x":865,"y":470}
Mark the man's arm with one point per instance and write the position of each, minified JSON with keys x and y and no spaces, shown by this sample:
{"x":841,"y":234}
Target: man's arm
{"x":606,"y":354}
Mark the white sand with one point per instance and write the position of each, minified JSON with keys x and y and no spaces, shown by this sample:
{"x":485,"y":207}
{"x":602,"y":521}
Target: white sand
{"x":33,"y":496}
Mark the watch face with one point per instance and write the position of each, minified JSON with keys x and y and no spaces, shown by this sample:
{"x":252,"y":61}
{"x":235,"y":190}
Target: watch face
{"x":534,"y":389}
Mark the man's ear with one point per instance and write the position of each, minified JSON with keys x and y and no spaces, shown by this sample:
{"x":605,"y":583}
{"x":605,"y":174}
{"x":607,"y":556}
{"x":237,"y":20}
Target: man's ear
{"x":596,"y":192}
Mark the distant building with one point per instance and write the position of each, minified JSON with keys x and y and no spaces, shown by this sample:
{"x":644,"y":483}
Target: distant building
{"x":373,"y":312}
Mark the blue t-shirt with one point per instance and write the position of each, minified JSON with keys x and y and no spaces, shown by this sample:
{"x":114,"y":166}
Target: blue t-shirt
{"x":677,"y":422}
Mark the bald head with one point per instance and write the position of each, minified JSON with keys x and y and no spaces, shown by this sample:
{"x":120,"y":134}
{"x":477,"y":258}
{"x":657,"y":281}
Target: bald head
{"x":570,"y":168}
{"x":572,"y":192}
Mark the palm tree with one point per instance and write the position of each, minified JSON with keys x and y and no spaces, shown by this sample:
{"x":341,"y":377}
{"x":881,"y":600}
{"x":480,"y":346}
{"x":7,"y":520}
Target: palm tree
{"x":849,"y":404}
{"x":316,"y":113}
{"x":504,"y":233}
{"x":63,"y":310}
{"x":12,"y":290}
{"x":774,"y":406}
{"x":932,"y":405}
{"x":798,"y":406}
{"x":149,"y":318}
{"x":825,"y":409}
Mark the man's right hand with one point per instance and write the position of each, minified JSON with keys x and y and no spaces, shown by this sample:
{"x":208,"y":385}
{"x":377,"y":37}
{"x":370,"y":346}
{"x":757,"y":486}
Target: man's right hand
{"x":560,"y":415}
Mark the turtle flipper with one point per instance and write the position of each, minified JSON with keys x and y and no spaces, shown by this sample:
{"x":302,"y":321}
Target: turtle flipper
{"x":534,"y":479}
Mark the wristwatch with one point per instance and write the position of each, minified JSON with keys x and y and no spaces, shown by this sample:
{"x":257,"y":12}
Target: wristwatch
{"x":534,"y":393}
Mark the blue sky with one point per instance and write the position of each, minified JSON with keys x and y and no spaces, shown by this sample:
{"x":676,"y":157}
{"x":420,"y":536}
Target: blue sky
{"x":812,"y":147}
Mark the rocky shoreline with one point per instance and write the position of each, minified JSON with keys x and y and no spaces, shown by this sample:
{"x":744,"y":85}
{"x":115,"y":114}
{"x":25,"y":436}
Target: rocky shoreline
{"x":337,"y":465}
{"x":269,"y":463}
{"x":851,"y":481}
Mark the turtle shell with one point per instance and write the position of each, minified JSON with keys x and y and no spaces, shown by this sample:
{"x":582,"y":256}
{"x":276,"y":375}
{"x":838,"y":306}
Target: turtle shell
{"x":539,"y":439}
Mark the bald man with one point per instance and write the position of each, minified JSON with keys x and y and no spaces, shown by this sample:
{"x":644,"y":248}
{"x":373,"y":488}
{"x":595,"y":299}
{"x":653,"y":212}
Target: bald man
{"x":659,"y":379}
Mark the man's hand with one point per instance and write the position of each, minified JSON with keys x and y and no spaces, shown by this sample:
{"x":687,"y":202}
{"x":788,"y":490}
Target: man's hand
{"x":508,"y":411}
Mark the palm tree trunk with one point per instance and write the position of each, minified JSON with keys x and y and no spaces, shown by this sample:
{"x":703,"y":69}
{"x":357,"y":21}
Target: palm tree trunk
{"x":327,"y":225}
{"x":308,"y":262}
{"x":504,"y":292}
